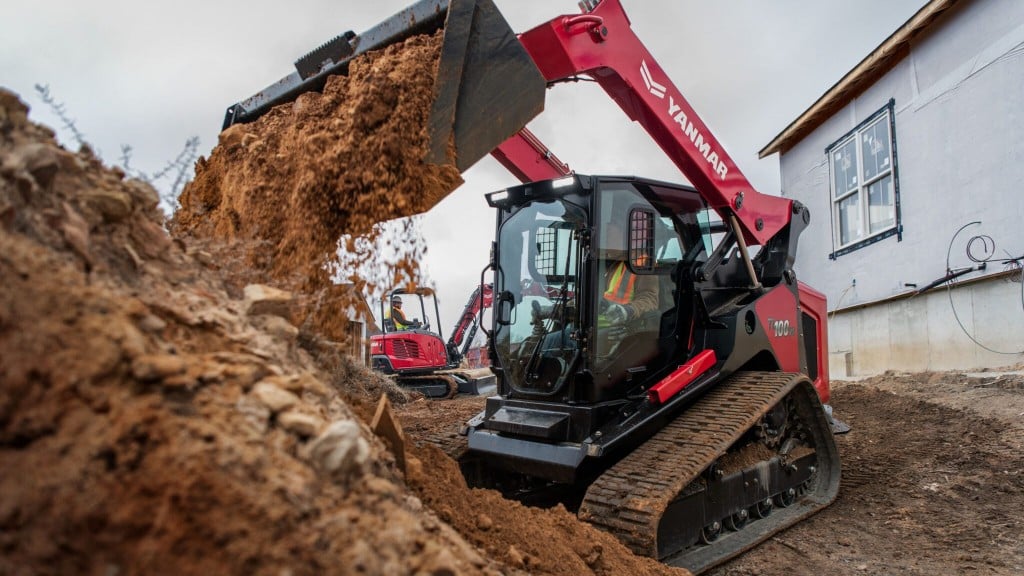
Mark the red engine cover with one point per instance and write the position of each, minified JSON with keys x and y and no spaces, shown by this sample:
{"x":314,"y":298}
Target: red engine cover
{"x":777,"y":313}
{"x":410,"y":350}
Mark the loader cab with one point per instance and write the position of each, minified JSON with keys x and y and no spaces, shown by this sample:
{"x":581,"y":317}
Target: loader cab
{"x":571,"y":255}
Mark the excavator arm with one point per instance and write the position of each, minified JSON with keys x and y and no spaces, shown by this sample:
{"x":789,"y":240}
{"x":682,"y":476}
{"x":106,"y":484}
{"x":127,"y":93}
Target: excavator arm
{"x":466,"y":327}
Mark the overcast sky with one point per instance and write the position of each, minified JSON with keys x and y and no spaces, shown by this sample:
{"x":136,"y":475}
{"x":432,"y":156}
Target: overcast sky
{"x":153,"y":74}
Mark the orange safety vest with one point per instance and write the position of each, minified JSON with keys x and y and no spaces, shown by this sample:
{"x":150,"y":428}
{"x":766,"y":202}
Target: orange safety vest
{"x":618,"y":291}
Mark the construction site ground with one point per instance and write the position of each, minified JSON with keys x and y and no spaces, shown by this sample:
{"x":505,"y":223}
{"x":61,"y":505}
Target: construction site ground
{"x":933,"y":479}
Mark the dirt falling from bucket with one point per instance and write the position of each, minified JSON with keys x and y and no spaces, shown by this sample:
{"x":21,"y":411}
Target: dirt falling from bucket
{"x":288,"y":186}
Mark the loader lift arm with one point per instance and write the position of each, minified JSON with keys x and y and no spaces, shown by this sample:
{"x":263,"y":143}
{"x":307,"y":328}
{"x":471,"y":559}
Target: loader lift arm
{"x":602,"y":45}
{"x":528,"y":159}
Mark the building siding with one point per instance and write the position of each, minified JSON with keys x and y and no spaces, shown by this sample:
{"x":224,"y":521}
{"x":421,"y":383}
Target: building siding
{"x":958,"y":127}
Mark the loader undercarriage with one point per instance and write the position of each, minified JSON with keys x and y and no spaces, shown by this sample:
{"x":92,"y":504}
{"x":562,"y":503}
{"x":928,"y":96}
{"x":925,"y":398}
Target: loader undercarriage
{"x":751,"y":457}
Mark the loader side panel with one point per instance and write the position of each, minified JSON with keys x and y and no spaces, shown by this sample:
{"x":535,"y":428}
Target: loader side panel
{"x":814,"y":325}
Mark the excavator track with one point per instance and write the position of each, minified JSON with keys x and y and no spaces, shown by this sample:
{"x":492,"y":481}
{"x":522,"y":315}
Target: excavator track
{"x":437,"y":386}
{"x":447,"y":384}
{"x":670,"y":500}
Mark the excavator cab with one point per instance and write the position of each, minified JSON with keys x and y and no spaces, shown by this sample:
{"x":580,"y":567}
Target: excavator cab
{"x":409,"y":310}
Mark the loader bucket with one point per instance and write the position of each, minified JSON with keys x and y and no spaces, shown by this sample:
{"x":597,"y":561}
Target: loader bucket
{"x":487,"y":86}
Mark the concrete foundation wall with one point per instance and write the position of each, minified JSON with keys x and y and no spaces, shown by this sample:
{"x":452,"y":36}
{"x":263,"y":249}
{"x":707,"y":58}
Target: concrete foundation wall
{"x":922,"y":332}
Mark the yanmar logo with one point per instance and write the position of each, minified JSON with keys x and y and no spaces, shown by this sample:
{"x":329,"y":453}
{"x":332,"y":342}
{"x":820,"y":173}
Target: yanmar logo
{"x":675,"y":111}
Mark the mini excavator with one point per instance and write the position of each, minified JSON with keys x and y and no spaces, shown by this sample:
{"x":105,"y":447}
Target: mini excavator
{"x":692,"y":427}
{"x":419,"y":359}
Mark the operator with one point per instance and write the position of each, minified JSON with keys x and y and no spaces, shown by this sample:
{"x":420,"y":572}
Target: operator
{"x":398,"y":317}
{"x":627,"y":295}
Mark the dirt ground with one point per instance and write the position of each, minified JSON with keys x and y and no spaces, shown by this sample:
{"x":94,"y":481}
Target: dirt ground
{"x":933,"y":483}
{"x":933,"y":480}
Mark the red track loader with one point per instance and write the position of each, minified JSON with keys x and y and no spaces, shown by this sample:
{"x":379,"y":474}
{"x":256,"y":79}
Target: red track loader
{"x":660,"y":368}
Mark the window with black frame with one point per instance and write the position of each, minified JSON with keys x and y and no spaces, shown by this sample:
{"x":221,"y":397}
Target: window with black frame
{"x":864,"y":184}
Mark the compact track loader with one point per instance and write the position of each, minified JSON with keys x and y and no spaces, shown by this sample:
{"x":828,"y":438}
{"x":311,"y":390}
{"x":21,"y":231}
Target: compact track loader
{"x":660,"y":368}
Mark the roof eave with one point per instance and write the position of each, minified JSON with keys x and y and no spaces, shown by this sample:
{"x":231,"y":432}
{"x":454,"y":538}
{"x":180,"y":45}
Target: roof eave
{"x":871,"y":68}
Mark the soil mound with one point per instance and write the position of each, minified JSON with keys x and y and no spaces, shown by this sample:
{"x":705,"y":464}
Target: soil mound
{"x":151,"y":423}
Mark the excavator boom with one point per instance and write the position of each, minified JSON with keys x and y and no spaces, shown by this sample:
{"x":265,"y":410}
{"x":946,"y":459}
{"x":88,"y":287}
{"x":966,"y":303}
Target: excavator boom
{"x":469,"y":321}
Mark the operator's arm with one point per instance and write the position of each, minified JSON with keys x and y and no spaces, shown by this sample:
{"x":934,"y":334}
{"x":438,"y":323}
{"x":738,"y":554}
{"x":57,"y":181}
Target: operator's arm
{"x":645,"y":299}
{"x":398,"y":317}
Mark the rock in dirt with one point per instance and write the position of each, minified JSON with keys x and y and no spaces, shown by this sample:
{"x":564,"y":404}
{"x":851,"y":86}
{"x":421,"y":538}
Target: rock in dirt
{"x":112,"y":205}
{"x":304,"y":425}
{"x":155,"y":367}
{"x":274,"y":398}
{"x":267,"y":300}
{"x":35,"y":159}
{"x":340,"y":450}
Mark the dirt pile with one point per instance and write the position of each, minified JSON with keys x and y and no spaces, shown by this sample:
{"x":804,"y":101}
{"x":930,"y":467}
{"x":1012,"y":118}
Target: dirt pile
{"x":539,"y":541}
{"x":157,"y":419}
{"x":150,"y":423}
{"x":286,"y":187}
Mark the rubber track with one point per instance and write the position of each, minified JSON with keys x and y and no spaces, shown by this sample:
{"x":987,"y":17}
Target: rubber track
{"x":411,"y":381}
{"x":629,"y":499}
